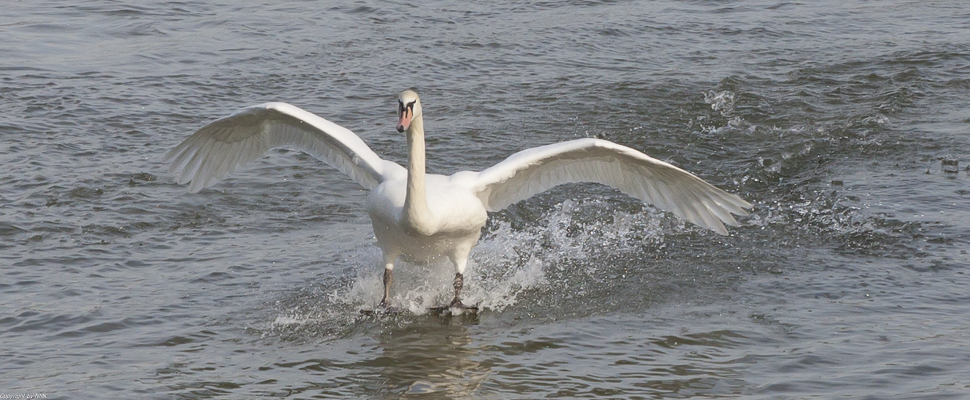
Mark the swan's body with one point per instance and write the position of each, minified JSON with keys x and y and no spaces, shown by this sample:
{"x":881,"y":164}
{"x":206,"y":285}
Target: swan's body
{"x":421,"y":216}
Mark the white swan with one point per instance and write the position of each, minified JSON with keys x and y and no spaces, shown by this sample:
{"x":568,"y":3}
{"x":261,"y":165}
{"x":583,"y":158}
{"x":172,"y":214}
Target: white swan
{"x":421,"y":216}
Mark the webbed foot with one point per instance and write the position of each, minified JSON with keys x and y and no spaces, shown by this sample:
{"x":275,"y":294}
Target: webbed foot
{"x":384,"y":308}
{"x":455,"y":304}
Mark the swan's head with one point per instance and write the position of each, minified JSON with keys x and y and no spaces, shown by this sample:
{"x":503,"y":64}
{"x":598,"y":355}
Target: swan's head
{"x":408,"y":108}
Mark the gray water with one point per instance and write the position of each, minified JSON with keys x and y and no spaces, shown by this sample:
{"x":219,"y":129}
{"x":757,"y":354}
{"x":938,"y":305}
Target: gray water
{"x":840,"y":120}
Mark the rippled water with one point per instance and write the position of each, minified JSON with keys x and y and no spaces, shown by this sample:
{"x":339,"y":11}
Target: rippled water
{"x":842,"y":121}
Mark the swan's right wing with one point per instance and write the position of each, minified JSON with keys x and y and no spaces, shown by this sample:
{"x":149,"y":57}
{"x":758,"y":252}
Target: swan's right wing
{"x":221,"y":146}
{"x":535,"y":170}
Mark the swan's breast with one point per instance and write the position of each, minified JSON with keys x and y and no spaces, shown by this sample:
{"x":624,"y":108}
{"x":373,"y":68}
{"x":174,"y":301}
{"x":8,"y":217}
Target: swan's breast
{"x":454,"y":209}
{"x":457,"y":216}
{"x":387,"y":200}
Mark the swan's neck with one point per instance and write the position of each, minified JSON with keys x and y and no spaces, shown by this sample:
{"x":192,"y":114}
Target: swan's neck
{"x":416,"y":215}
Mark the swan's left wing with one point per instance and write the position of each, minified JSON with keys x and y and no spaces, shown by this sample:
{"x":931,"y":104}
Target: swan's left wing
{"x":535,"y":170}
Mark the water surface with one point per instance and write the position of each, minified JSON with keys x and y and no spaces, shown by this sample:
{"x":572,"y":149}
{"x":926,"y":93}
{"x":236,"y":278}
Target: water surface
{"x":848,"y":280}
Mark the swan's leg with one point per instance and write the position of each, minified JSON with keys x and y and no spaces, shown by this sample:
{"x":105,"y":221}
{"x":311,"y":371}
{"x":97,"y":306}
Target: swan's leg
{"x":459,"y":282}
{"x":388,"y":278}
{"x":460,"y":261}
{"x":389,"y":258}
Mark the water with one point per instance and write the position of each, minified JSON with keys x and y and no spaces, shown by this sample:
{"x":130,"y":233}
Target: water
{"x":840,"y":121}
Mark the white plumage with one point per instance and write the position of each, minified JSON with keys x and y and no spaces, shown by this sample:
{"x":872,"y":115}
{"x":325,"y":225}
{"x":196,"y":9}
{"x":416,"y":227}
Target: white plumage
{"x":421,"y":216}
{"x":221,"y":146}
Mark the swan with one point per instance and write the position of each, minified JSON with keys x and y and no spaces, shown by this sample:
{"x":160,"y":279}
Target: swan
{"x":420,"y":216}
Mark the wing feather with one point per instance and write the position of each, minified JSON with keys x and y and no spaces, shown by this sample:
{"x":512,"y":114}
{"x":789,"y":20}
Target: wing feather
{"x":225,"y":144}
{"x":536,"y":170}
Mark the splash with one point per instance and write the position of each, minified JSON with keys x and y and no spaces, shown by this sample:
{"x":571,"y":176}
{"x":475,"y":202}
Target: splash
{"x":564,"y":248}
{"x":721,"y":101}
{"x":509,"y":263}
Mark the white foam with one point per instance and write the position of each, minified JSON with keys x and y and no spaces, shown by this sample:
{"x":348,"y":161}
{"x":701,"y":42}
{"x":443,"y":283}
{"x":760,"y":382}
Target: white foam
{"x":293,"y":319}
{"x":507,"y":262}
{"x":720,"y":101}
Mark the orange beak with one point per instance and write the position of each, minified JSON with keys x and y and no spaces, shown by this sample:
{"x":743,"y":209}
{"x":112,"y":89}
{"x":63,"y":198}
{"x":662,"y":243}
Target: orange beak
{"x":405,"y":122}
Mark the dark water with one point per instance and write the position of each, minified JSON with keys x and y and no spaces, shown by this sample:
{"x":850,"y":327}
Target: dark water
{"x":842,"y":121}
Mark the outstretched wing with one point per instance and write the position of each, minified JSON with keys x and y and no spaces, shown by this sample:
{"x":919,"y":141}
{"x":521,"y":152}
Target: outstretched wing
{"x":535,"y":170}
{"x":218,"y":148}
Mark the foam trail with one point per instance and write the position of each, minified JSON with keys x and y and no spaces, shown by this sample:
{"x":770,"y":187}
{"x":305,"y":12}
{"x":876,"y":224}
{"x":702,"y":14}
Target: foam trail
{"x":564,"y":248}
